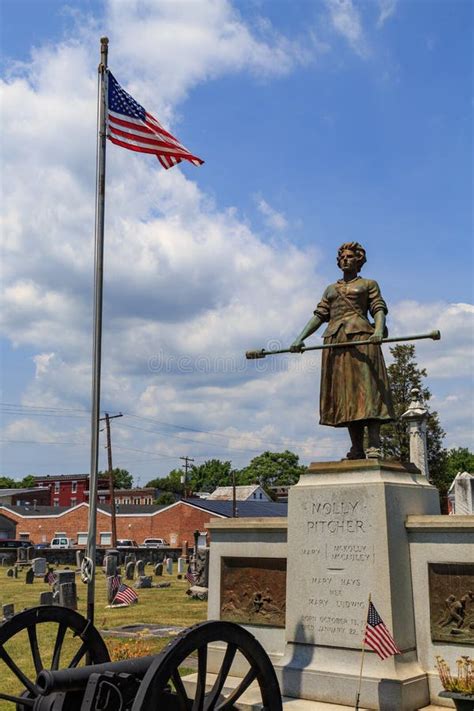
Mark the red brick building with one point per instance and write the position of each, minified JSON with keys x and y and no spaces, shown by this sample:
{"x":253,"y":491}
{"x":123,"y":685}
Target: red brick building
{"x":71,"y":489}
{"x":175,"y":523}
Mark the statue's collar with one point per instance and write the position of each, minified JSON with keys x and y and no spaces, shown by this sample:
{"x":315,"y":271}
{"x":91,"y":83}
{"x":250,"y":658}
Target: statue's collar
{"x":342,"y":281}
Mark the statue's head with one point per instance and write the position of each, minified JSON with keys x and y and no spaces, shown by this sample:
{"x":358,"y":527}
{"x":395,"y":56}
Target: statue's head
{"x":358,"y":251}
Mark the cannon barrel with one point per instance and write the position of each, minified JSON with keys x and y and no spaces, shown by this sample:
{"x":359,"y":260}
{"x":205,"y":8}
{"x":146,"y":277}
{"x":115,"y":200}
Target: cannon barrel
{"x":75,"y":679}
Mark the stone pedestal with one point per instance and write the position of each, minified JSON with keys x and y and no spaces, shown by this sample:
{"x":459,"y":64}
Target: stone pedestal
{"x":346,"y":539}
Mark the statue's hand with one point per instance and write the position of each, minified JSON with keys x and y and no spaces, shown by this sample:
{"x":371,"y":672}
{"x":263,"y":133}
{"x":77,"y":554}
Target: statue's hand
{"x":376,"y":337}
{"x":297,"y":346}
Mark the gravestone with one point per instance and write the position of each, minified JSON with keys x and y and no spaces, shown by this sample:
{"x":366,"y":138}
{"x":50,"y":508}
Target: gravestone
{"x":144,"y":581}
{"x":140,"y":568}
{"x":46,"y":598}
{"x":130,"y":570}
{"x":184,"y":550}
{"x":10,"y":573}
{"x":169,"y":566}
{"x":39,"y":567}
{"x":181,"y":565}
{"x":159,"y":569}
{"x":112,"y":588}
{"x":110,"y":565}
{"x":79,"y":558}
{"x":8,"y":611}
{"x":130,"y":557}
{"x":62,"y":578}
{"x":22,"y":555}
{"x":30,"y":576}
{"x":68,"y":595}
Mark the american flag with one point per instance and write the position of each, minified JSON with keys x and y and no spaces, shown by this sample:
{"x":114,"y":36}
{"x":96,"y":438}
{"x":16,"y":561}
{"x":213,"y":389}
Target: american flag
{"x":130,"y":126}
{"x":52,"y":577}
{"x":377,"y":636}
{"x":114,"y":585}
{"x":190,"y":575}
{"x":125,"y":595}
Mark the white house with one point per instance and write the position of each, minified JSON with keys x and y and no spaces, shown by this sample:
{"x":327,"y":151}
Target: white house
{"x":461,"y":494}
{"x":253,"y":492}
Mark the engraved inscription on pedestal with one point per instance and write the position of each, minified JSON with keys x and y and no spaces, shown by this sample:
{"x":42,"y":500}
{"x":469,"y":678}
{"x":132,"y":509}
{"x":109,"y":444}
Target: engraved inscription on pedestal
{"x":451,"y":588}
{"x":253,"y":591}
{"x":333,"y":548}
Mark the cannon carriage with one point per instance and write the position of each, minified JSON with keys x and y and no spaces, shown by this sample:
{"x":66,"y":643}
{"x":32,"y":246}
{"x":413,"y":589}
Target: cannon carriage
{"x":81,"y":677}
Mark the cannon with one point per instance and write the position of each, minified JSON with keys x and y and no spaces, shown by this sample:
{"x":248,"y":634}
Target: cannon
{"x":68,"y":668}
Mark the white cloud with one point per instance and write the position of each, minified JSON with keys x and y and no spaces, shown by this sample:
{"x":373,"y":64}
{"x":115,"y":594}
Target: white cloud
{"x":386,"y":10}
{"x":273,"y":219}
{"x":197,"y":41}
{"x":346,"y":21}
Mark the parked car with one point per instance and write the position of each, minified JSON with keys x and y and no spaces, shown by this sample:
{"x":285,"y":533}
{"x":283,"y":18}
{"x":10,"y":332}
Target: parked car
{"x":155,"y":543}
{"x":40,"y":546}
{"x":61,"y":542}
{"x":12,"y":543}
{"x":126,"y":543}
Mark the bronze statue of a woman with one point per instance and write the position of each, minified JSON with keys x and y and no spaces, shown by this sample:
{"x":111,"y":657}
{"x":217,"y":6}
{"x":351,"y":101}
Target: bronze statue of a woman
{"x":355,"y":392}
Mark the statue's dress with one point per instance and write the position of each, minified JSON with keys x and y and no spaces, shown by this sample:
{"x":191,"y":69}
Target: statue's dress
{"x":354,"y":383}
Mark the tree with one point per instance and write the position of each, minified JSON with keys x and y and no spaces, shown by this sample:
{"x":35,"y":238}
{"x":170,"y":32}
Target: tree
{"x":28,"y":482}
{"x":272,"y":469}
{"x":459,"y":459}
{"x":172,"y":482}
{"x":165,"y":499}
{"x":404,"y":375}
{"x":122,"y":478}
{"x":209,"y":475}
{"x":6,"y":482}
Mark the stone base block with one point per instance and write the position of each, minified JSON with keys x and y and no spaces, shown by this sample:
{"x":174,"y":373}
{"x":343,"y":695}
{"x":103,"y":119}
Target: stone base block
{"x":250,"y":700}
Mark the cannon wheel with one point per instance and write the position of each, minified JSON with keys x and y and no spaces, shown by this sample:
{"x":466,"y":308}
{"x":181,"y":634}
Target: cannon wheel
{"x":162,"y":686}
{"x":65,"y":620}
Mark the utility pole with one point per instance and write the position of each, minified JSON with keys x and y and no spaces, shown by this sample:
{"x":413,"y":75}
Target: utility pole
{"x":107,"y":419}
{"x":235,"y":512}
{"x":185,"y":478}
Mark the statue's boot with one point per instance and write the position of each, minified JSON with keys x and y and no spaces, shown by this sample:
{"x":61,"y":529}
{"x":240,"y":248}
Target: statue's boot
{"x":356,"y":432}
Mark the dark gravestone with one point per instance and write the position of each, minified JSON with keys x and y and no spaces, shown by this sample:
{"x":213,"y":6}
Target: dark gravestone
{"x":22,"y":555}
{"x":63,"y":577}
{"x":68,"y":595}
{"x":10,"y":573}
{"x":39,"y":567}
{"x":8,"y":611}
{"x":144,"y":581}
{"x":110,"y":565}
{"x":130,"y":570}
{"x":29,"y":577}
{"x":159,"y":569}
{"x":112,"y":588}
{"x":46,"y":598}
{"x":140,"y":568}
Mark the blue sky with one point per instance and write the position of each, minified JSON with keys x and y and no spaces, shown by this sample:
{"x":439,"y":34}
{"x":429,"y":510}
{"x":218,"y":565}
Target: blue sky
{"x":319,"y":122}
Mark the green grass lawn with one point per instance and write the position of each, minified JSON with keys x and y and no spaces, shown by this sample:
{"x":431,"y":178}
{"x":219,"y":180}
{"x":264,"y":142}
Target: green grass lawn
{"x":168,"y":606}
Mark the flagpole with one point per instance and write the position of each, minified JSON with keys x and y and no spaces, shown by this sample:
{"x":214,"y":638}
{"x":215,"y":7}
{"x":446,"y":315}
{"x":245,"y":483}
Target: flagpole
{"x":362,"y":657}
{"x":90,"y":561}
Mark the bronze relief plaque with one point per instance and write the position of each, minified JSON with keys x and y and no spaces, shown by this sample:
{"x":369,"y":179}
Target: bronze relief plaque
{"x":451,"y":588}
{"x":253,"y":591}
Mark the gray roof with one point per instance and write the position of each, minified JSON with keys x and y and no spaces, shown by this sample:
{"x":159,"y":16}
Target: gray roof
{"x":132,"y":508}
{"x":245,"y":509}
{"x":30,"y":510}
{"x":12,"y":492}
